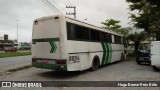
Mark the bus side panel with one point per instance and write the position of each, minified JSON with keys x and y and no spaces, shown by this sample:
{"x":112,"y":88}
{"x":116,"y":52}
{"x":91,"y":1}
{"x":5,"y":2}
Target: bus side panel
{"x":72,"y":64}
{"x":78,"y":49}
{"x":118,"y":49}
{"x":95,"y":49}
{"x":63,"y":39}
{"x":92,"y":55}
{"x":85,"y":51}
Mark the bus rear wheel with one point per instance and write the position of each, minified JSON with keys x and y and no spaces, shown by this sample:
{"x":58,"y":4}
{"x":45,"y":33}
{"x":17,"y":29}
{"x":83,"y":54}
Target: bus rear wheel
{"x":156,"y":68}
{"x":95,"y":63}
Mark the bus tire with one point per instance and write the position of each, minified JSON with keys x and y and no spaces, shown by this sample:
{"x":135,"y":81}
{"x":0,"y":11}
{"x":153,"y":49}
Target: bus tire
{"x":139,"y":62}
{"x":155,"y":68}
{"x":122,"y":57}
{"x":95,"y":63}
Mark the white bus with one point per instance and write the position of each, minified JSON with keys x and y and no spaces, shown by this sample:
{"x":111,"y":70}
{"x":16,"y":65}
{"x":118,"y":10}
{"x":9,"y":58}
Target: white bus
{"x":63,"y":43}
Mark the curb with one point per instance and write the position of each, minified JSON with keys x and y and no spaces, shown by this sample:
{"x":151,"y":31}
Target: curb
{"x":5,"y":70}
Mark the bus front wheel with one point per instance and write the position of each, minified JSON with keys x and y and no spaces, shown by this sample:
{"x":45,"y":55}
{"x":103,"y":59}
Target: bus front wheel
{"x":122,"y":57}
{"x":95,"y":63}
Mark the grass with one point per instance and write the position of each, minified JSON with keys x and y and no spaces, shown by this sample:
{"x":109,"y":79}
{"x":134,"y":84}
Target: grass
{"x":14,"y":54}
{"x":131,"y":57}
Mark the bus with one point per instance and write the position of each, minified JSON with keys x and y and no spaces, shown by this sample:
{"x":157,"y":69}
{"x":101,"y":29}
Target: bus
{"x":17,"y":45}
{"x":7,"y":47}
{"x":63,"y":43}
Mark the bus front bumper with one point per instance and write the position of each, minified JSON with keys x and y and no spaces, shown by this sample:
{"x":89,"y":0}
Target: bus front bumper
{"x":58,"y":67}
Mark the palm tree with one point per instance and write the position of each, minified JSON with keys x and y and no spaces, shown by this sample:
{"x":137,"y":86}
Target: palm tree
{"x":137,"y":38}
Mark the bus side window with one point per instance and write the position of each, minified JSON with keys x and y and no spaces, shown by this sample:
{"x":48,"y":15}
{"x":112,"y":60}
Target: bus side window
{"x":71,"y":31}
{"x":106,"y":37}
{"x":82,"y":33}
{"x":94,"y":35}
{"x":117,"y":39}
{"x":122,"y":40}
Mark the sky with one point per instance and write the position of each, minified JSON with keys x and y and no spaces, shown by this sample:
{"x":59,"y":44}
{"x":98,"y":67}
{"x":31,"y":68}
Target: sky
{"x":95,"y":11}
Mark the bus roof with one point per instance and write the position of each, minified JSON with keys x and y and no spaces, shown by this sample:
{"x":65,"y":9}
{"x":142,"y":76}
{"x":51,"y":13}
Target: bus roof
{"x":93,"y":27}
{"x":82,"y":23}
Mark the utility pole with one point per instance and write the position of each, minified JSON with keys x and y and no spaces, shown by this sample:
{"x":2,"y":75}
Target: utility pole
{"x":17,"y":29}
{"x":72,"y":13}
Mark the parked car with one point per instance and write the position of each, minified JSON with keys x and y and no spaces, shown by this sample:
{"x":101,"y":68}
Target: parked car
{"x":143,"y":55}
{"x":9,"y":48}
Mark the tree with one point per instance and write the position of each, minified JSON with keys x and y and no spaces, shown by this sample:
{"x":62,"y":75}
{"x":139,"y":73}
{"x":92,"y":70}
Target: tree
{"x":111,"y":24}
{"x":114,"y":25}
{"x":146,"y":14}
{"x":137,"y":38}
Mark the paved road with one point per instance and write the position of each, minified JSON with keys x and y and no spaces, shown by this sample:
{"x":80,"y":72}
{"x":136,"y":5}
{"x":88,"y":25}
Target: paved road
{"x":14,"y":62}
{"x":123,"y":71}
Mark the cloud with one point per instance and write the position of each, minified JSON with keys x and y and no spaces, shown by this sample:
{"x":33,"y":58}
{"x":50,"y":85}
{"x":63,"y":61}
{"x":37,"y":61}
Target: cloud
{"x":23,"y":10}
{"x":100,"y":10}
{"x":26,"y":11}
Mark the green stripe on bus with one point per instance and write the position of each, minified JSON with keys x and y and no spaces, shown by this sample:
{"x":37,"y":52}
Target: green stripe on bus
{"x":110,"y":56}
{"x":104,"y":53}
{"x":51,"y":41}
{"x":107,"y":57}
{"x":45,"y":40}
{"x":53,"y":47}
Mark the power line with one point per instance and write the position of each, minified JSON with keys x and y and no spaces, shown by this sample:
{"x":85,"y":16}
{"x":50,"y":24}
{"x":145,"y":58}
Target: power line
{"x":44,"y":5}
{"x":53,"y":1}
{"x":49,"y":7}
{"x":57,"y":6}
{"x":70,"y":2}
{"x":52,"y":6}
{"x":65,"y":1}
{"x":60,"y":1}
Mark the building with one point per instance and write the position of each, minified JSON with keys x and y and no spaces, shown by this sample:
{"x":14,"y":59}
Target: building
{"x":4,"y":39}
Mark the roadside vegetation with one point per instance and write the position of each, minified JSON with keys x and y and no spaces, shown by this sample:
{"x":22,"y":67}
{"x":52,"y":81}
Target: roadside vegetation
{"x":146,"y":14}
{"x":130,"y":57}
{"x":14,"y":54}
